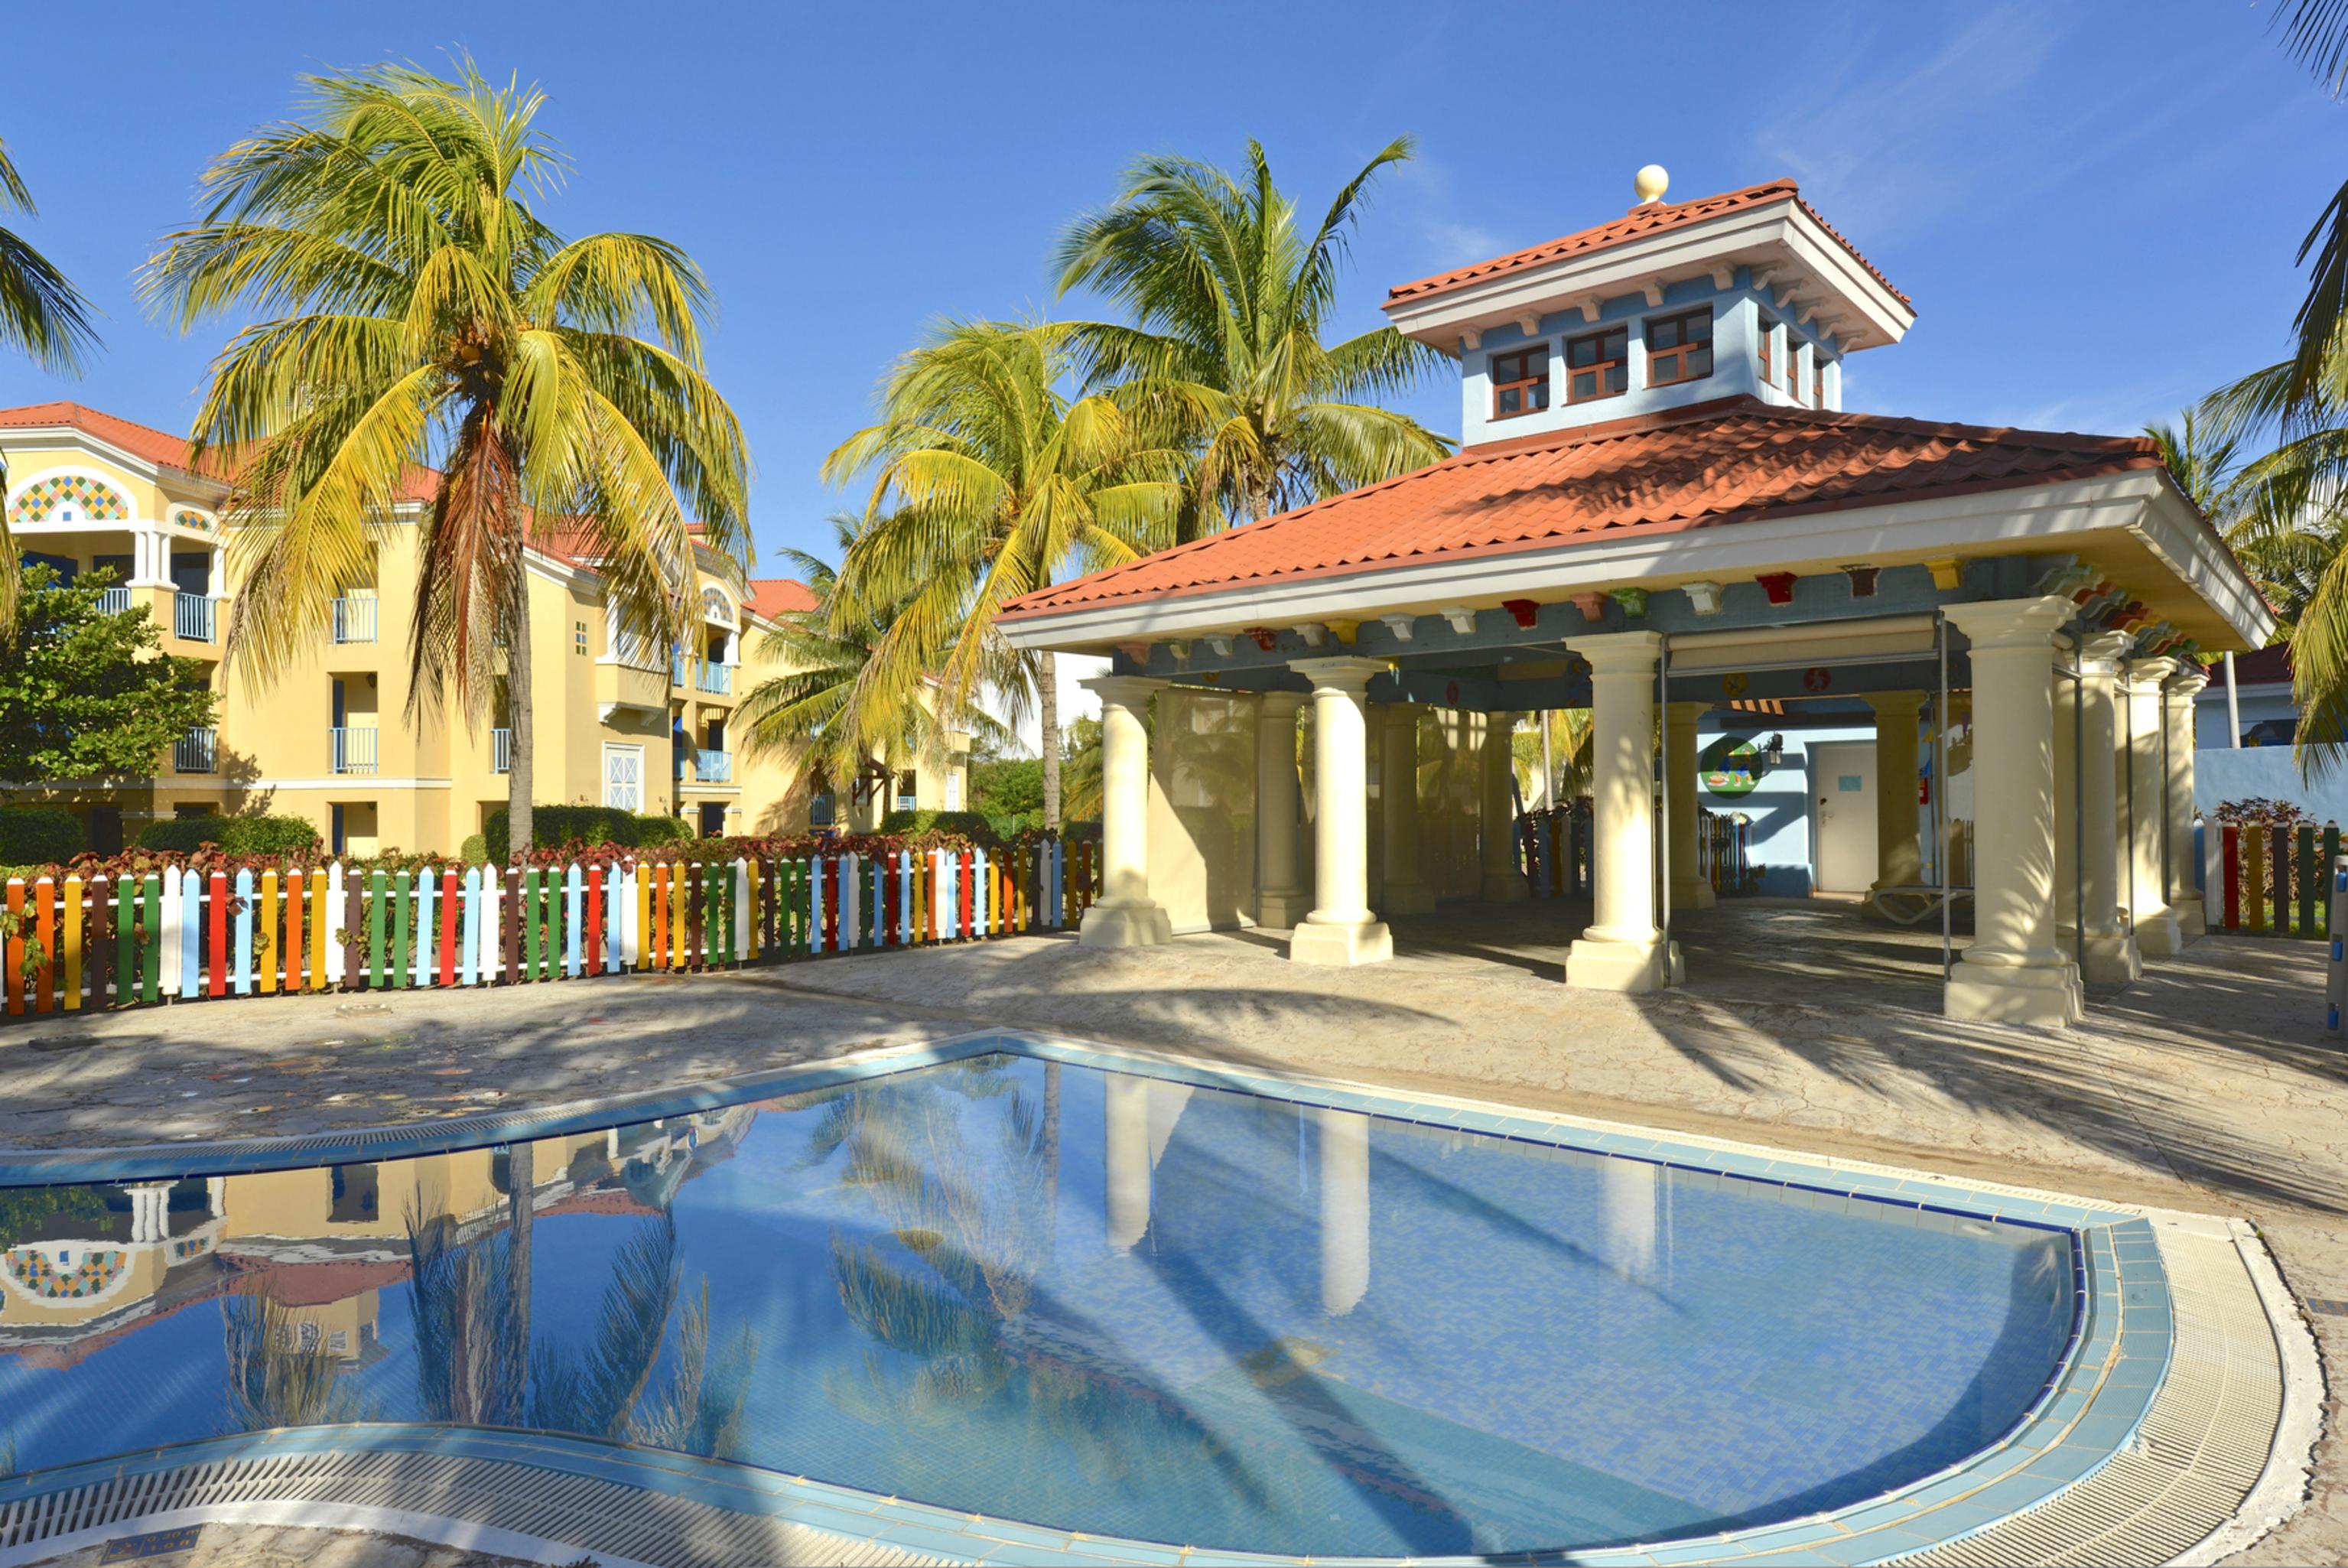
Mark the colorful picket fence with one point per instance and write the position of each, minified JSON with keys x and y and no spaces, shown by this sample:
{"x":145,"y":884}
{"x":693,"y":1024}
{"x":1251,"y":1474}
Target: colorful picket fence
{"x":78,"y":943}
{"x":1554,"y":852}
{"x":2266,"y":879}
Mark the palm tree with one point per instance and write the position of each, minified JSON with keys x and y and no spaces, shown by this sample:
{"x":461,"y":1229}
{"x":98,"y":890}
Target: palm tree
{"x":989,"y":481}
{"x":43,"y":316}
{"x":434,"y":322}
{"x":1231,"y":299}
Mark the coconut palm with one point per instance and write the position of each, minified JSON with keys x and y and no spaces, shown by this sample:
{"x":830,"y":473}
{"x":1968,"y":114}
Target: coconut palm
{"x":988,"y":480}
{"x":432,"y":321}
{"x":41,"y":315}
{"x":1231,"y":297}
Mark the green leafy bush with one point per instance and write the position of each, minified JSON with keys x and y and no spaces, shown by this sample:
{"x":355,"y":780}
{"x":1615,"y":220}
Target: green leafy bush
{"x":1013,"y":787}
{"x":37,"y":835}
{"x":234,"y":835}
{"x":554,"y":826}
{"x":653,"y":828}
{"x":474,"y":851}
{"x":971,"y":824}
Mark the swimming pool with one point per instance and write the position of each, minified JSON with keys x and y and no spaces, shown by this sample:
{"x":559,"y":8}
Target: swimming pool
{"x":1133,"y":1302}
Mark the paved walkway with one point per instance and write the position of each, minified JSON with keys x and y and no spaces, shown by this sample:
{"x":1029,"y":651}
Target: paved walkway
{"x":2206,"y":1085}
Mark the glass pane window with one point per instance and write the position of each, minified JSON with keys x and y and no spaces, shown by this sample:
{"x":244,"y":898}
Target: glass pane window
{"x":1521,"y":381}
{"x":1600,"y":363}
{"x":1792,"y":368}
{"x":1768,"y":337}
{"x":1679,"y":348}
{"x":1818,"y":381}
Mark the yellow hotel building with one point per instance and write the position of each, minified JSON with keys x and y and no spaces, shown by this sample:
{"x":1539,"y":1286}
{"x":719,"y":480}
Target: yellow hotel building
{"x":620,"y":722}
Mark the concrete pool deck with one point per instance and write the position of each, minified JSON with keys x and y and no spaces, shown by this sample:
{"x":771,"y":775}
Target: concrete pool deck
{"x":2207,"y":1085}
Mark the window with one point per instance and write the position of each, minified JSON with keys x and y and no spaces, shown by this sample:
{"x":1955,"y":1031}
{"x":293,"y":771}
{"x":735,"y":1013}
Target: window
{"x":578,"y":636}
{"x":1598,"y":365}
{"x":1679,"y":348}
{"x":1520,"y":382}
{"x":1792,"y":368}
{"x":1768,"y":336}
{"x":1818,"y":381}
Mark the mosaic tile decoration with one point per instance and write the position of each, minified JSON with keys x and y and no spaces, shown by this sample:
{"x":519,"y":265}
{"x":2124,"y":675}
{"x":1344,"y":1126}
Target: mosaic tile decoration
{"x":181,"y":517}
{"x":33,"y":1270}
{"x":70,"y":498}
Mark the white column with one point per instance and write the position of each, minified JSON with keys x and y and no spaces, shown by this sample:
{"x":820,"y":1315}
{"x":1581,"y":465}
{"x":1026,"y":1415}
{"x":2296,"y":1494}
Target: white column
{"x":1281,"y":899}
{"x":1341,"y":929}
{"x":1627,"y":1192}
{"x":1623,"y":949}
{"x":1690,"y":889}
{"x":1405,"y":892}
{"x":2183,"y":898}
{"x":1345,"y":1209}
{"x":1125,"y":917}
{"x":1503,"y":881}
{"x":216,"y":572}
{"x":1899,"y":837}
{"x":2110,"y":950}
{"x":150,"y":559}
{"x":1126,"y":1157}
{"x":2014,"y":972}
{"x":2144,"y":806}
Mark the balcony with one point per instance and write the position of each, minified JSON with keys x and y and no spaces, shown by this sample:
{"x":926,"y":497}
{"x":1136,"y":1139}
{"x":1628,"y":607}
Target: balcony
{"x":716,"y":677}
{"x":197,"y":751}
{"x":678,"y":669}
{"x":114,"y":602}
{"x":501,"y":750}
{"x":353,"y":750}
{"x":713,"y":767}
{"x":354,"y":620}
{"x":195,"y":617}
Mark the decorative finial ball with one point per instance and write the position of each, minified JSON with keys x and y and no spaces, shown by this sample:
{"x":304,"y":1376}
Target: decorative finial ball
{"x":1651,"y":182}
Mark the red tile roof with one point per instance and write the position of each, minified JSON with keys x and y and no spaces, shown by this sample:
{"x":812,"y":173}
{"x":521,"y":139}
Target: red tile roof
{"x":2260,"y":666}
{"x":1726,"y":461}
{"x":773,"y":596}
{"x":1639,"y":222}
{"x":139,"y":441}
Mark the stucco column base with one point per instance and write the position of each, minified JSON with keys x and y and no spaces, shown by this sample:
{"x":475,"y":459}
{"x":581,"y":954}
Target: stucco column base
{"x":1597,"y":964}
{"x":2010,"y":993}
{"x":2112,"y":960}
{"x":1407,"y":897}
{"x":1282,"y":908}
{"x":1343,"y":943}
{"x":1693,"y":893}
{"x":1503,"y":887}
{"x":2159,"y":934}
{"x":2191,"y":924}
{"x":1124,"y":926}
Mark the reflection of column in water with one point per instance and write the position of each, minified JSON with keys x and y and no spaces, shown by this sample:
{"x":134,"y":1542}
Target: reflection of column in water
{"x":1345,"y":1209}
{"x":1127,"y":1155}
{"x":1628,"y":1196}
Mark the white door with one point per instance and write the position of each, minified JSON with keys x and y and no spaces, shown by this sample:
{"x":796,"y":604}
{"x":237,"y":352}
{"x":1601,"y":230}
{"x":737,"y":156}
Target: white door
{"x":1842,"y":776}
{"x":624,"y":777}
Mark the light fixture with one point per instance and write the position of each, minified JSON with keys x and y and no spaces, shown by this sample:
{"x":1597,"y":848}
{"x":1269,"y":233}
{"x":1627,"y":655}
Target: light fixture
{"x":1775,"y":752}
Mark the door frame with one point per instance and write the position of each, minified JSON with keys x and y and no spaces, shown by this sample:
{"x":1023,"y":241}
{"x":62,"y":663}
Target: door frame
{"x":1821,"y":773}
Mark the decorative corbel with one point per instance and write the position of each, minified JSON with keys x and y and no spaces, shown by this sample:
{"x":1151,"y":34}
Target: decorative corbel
{"x":1313,"y":633}
{"x":1862,"y":581}
{"x":1470,"y":340}
{"x":1778,"y":585}
{"x":1462,"y":619}
{"x":1654,"y":290}
{"x":1529,"y":325}
{"x":2065,"y":580}
{"x":1221,"y":644}
{"x":1345,"y":631}
{"x":1724,"y":276}
{"x":1591,"y":605}
{"x":1180,"y":649}
{"x":1137,"y":651}
{"x":1949,"y":572}
{"x":1590,"y":305}
{"x":1632,"y":600}
{"x":1400,"y":625}
{"x":1264,"y":637}
{"x":1524,"y":611}
{"x":1761,"y":276}
{"x":1703,"y":597}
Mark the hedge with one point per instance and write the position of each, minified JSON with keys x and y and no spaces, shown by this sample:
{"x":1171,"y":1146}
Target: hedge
{"x":36,"y":835}
{"x":970,"y":824}
{"x":233,"y":835}
{"x":551,"y":826}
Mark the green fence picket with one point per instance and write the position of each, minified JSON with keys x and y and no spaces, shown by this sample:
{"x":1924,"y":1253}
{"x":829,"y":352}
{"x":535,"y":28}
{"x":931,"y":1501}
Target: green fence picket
{"x":403,"y":926}
{"x":529,"y":915}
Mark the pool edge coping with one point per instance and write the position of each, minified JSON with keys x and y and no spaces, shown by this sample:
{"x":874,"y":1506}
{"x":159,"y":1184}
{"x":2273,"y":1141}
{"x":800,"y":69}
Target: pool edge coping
{"x":2085,"y":1220}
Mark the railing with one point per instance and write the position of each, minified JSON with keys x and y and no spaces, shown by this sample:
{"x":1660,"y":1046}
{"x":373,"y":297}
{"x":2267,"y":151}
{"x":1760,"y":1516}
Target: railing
{"x":194,"y":617}
{"x":2265,"y":879}
{"x":353,"y":750}
{"x":91,"y":941}
{"x":197,"y":751}
{"x":113,"y":601}
{"x":1555,"y":855}
{"x":501,"y":750}
{"x":354,"y":620}
{"x":713,"y":767}
{"x":679,"y":672}
{"x":716,"y":677}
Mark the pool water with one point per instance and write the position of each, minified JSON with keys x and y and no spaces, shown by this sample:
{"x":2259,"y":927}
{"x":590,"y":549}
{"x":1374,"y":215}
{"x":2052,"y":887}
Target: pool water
{"x":1100,"y":1302}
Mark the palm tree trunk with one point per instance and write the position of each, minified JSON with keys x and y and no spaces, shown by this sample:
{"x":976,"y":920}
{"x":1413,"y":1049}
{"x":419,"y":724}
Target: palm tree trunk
{"x":1052,"y":1159}
{"x":1049,"y":679}
{"x":522,"y":1183}
{"x":519,"y":779}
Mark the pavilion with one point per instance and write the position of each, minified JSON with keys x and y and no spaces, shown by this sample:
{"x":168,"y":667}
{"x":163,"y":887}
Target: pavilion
{"x":1660,"y":507}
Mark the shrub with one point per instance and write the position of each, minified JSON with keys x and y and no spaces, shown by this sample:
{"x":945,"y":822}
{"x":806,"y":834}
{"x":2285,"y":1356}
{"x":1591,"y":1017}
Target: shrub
{"x":474,"y":851}
{"x":970,"y":824}
{"x":654,"y":830}
{"x":1013,"y":787}
{"x":234,"y":835}
{"x":37,"y":835}
{"x":555,"y":825}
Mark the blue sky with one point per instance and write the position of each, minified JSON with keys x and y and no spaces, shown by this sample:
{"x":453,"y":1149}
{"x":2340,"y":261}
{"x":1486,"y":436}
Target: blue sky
{"x":2094,"y":207}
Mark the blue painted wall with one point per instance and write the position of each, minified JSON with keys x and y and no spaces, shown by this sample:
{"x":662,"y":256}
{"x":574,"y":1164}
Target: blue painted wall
{"x":1783,"y":805}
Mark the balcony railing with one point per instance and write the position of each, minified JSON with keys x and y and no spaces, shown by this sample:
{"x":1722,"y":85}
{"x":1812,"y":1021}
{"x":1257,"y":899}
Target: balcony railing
{"x":113,"y":601}
{"x":353,"y":750}
{"x":714,"y":766}
{"x":678,"y":672}
{"x":195,"y":616}
{"x":716,"y":677}
{"x":501,"y":750}
{"x":354,"y":620}
{"x":197,"y":751}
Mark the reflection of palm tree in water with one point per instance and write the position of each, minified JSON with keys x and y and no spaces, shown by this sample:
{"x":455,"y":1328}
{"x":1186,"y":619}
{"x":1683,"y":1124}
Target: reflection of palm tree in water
{"x":477,"y":1361}
{"x":978,"y":1232}
{"x":280,"y":1372}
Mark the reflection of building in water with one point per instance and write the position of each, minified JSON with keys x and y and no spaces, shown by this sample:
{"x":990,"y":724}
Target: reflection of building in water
{"x":1140,"y":1115}
{"x":81,"y":1267}
{"x":1345,"y":1209}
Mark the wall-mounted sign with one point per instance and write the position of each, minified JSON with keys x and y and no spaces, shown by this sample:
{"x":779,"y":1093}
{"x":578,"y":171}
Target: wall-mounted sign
{"x":1732,"y":765}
